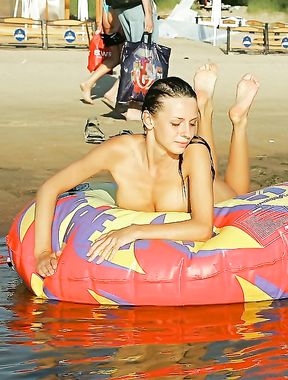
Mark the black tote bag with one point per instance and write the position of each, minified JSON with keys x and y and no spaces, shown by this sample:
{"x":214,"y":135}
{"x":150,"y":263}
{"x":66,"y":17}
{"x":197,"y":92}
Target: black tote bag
{"x":141,"y":64}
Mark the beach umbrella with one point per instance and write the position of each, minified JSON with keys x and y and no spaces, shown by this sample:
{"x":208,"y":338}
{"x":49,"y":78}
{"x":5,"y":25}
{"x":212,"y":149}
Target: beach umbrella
{"x":83,"y":10}
{"x":216,"y":17}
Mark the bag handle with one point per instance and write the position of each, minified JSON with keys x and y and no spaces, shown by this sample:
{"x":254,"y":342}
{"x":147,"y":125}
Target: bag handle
{"x":149,"y":37}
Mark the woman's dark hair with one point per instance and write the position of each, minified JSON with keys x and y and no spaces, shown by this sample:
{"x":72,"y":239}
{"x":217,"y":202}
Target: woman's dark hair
{"x":166,"y":88}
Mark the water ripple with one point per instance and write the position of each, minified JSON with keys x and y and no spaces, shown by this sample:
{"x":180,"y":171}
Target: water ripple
{"x":48,"y":340}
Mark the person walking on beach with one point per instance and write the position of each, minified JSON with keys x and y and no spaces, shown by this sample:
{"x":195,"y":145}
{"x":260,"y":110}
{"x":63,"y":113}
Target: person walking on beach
{"x":107,"y":21}
{"x":168,"y":168}
{"x":135,"y":20}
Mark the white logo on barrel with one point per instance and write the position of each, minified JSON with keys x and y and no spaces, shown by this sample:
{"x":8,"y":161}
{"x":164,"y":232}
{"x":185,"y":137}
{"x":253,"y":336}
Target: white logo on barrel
{"x":69,"y":36}
{"x":20,"y":34}
{"x":284,"y":42}
{"x":247,"y":41}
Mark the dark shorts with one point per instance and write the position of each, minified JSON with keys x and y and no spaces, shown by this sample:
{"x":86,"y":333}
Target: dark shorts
{"x":113,"y":39}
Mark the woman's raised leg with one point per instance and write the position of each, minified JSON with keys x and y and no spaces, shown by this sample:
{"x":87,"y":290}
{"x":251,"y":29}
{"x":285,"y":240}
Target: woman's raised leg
{"x":237,"y":174}
{"x":204,"y":85}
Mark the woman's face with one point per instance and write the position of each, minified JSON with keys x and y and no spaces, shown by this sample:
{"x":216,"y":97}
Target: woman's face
{"x":175,"y":123}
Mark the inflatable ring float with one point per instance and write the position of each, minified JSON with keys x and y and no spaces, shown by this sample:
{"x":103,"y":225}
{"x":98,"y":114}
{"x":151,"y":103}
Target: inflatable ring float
{"x":245,"y":260}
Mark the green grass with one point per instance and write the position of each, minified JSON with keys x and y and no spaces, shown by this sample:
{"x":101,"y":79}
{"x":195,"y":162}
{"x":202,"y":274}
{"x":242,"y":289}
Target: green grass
{"x":74,"y":9}
{"x":267,"y":6}
{"x":165,"y":6}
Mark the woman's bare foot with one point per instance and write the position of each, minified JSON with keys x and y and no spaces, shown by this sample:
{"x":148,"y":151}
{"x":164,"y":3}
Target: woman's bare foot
{"x":111,"y":95}
{"x":86,"y":92}
{"x":246,"y":90}
{"x":204,"y":83}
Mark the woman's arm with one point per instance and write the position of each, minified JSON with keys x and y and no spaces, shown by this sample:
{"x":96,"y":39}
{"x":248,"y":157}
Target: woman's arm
{"x":149,"y":26}
{"x":99,"y":15}
{"x":100,"y":158}
{"x":197,"y":166}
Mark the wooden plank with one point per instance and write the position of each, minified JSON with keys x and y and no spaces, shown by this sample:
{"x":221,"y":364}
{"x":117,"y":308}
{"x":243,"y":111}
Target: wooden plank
{"x":278,"y":39}
{"x":248,"y":29}
{"x":65,"y":22}
{"x":278,"y":30}
{"x":255,"y":23}
{"x":32,"y":32}
{"x":254,"y":36}
{"x":68,"y":34}
{"x":251,"y":48}
{"x":278,"y":25}
{"x":20,"y":20}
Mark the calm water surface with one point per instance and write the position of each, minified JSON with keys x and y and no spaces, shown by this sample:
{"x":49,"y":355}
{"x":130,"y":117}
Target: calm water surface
{"x":50,"y":340}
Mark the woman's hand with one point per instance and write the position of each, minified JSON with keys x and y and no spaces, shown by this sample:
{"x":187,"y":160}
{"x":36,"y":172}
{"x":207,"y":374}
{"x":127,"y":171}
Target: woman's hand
{"x":108,"y":244}
{"x":46,"y":263}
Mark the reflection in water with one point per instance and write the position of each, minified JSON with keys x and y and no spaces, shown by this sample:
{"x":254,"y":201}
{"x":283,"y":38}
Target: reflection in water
{"x":49,"y":340}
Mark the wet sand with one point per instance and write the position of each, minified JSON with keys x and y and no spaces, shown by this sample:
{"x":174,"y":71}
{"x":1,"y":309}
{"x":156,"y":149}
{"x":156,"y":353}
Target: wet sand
{"x":42,"y":118}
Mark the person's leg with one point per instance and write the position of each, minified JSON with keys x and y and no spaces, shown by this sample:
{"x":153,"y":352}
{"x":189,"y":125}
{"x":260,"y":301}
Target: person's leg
{"x":121,"y":13}
{"x":111,"y":94}
{"x":237,"y":177}
{"x":204,"y":85}
{"x":110,"y":24}
{"x":103,"y":69}
{"x":132,"y":21}
{"x":237,"y":174}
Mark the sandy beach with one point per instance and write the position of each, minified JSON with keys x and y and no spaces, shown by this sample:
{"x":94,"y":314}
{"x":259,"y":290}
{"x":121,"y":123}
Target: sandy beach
{"x":42,"y":117}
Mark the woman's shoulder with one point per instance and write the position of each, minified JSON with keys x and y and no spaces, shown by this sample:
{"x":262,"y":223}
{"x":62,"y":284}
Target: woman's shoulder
{"x":127,"y":137}
{"x":121,"y":144}
{"x":197,"y":158}
{"x":112,"y":152}
{"x":197,"y":146}
{"x":197,"y":154}
{"x":124,"y":141}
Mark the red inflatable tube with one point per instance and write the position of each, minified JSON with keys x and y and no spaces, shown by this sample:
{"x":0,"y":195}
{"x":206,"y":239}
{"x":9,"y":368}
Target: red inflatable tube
{"x":245,"y":260}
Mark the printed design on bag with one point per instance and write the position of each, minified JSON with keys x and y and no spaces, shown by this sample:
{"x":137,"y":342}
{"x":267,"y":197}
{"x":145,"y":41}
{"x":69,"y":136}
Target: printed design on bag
{"x":142,"y":63}
{"x":98,"y":52}
{"x":104,"y":53}
{"x":144,"y":72}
